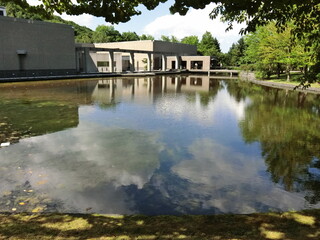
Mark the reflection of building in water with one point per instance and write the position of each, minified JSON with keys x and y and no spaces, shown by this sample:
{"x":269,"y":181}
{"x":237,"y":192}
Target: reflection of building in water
{"x":111,"y":91}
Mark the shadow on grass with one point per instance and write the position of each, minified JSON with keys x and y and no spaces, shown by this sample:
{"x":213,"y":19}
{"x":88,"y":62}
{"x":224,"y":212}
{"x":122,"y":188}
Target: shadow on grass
{"x":303,"y":225}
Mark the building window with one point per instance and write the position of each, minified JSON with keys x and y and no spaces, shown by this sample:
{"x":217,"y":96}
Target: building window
{"x":102,"y":64}
{"x":196,"y":64}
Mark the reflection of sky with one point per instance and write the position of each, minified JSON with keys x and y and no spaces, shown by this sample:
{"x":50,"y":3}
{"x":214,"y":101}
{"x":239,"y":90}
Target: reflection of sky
{"x":180,"y":108}
{"x":170,"y":152}
{"x":232,"y":179}
{"x":71,"y":164}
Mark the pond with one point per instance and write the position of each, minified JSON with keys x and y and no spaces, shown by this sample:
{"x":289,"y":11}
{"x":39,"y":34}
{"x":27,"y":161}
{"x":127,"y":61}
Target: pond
{"x":157,"y":145}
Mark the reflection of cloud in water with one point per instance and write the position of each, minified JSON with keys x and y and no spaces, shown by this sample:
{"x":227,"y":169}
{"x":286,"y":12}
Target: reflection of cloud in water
{"x":180,"y":107}
{"x":232,"y":180}
{"x":83,"y":166}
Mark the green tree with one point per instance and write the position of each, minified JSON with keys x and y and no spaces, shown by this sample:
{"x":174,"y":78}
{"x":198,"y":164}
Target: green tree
{"x":169,"y":39}
{"x":304,"y":14}
{"x":271,"y":50}
{"x":113,"y":11}
{"x":165,"y":38}
{"x":129,"y":36}
{"x":146,"y":37}
{"x":106,"y":34}
{"x":236,"y":53}
{"x":209,"y":45}
{"x":192,"y":40}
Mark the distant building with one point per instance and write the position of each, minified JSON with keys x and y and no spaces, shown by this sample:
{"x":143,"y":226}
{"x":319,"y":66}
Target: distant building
{"x":143,"y":55}
{"x":30,"y":48}
{"x":33,"y":48}
{"x":3,"y":11}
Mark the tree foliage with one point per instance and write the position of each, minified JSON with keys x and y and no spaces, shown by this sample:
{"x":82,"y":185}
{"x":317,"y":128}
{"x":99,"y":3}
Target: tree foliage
{"x":272,"y":51}
{"x":146,"y":37}
{"x":113,"y":11}
{"x":192,"y":40}
{"x":173,"y":39}
{"x":129,"y":36}
{"x":105,"y":33}
{"x":236,"y":53}
{"x":305,"y":15}
{"x":209,"y":45}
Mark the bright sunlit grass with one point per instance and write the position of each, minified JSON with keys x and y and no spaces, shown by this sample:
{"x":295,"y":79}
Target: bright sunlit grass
{"x":292,"y":225}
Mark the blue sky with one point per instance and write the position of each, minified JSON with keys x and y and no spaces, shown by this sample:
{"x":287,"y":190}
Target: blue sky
{"x":160,"y":22}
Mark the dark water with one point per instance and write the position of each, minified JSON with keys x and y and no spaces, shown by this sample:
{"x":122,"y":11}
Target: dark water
{"x":163,"y":145}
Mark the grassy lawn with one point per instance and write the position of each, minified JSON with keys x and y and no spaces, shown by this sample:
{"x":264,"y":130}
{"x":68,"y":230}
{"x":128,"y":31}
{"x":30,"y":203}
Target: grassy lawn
{"x":304,"y":225}
{"x":294,"y":76}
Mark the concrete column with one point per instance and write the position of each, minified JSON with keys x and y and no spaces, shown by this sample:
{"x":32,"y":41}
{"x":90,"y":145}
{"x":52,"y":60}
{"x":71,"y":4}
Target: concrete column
{"x":132,"y":68}
{"x":149,"y":62}
{"x":188,"y":64}
{"x":178,"y":62}
{"x":111,"y":60}
{"x":164,"y":62}
{"x":86,"y":56}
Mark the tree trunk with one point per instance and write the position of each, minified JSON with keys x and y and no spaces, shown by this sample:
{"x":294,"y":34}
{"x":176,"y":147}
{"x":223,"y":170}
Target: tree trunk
{"x":278,"y":70}
{"x":288,"y":73}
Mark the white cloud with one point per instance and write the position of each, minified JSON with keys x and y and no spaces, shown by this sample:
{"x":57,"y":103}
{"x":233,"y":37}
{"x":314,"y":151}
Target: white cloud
{"x":34,"y":2}
{"x":85,"y":20}
{"x":196,"y":22}
{"x":232,"y":180}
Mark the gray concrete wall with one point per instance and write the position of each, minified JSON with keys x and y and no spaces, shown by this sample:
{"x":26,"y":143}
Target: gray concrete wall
{"x":30,"y":47}
{"x":174,"y":48}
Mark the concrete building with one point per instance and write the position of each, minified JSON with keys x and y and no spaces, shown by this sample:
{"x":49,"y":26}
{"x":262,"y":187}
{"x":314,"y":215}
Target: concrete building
{"x":3,"y":11}
{"x":143,"y":55}
{"x":33,"y":48}
{"x":194,"y":63}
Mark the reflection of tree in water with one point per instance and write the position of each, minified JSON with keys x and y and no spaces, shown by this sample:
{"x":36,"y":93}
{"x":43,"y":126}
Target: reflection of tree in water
{"x":208,"y":96}
{"x":240,"y":89}
{"x":214,"y":87}
{"x":25,"y":118}
{"x":286,"y":125}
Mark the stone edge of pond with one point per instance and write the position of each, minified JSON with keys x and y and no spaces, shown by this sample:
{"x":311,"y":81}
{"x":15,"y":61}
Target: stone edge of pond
{"x":250,"y":77}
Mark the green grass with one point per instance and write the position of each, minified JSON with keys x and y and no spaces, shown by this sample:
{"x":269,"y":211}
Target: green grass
{"x":294,"y":79}
{"x":304,"y":225}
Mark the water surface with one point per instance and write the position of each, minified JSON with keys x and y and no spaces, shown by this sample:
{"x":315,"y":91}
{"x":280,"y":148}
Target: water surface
{"x":157,"y":145}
